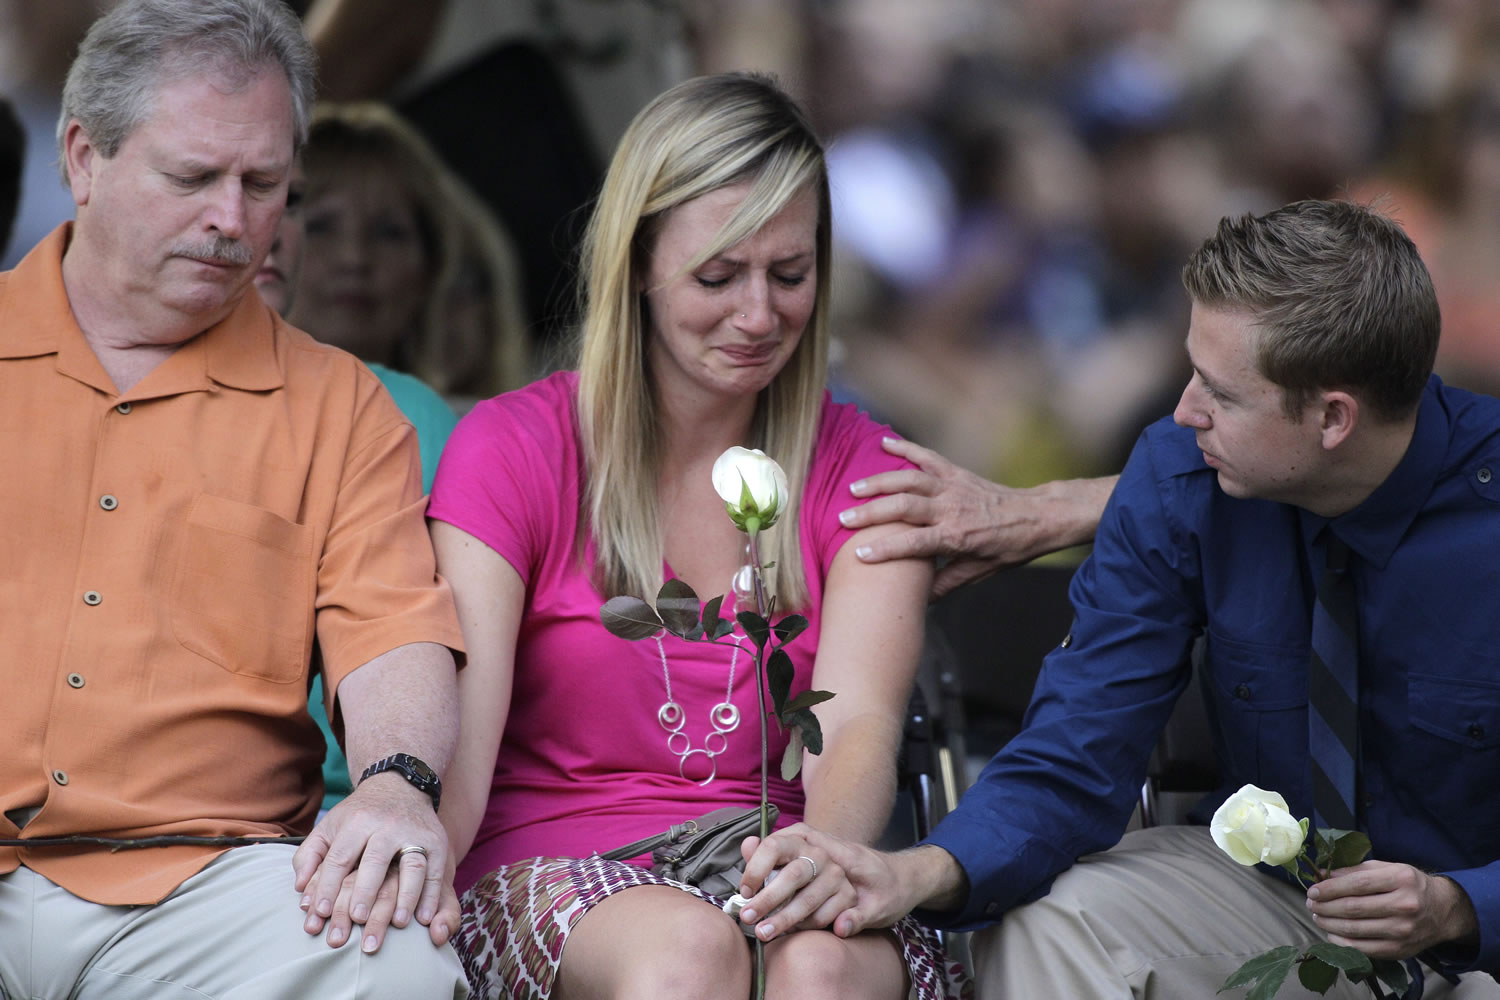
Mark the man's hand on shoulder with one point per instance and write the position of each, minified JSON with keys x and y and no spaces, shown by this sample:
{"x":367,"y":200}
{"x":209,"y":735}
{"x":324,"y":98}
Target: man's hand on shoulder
{"x":352,"y":871}
{"x":978,"y":525}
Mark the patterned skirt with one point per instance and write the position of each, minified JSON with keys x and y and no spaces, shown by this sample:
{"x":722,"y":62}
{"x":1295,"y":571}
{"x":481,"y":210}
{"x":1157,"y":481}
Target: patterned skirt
{"x":516,"y":920}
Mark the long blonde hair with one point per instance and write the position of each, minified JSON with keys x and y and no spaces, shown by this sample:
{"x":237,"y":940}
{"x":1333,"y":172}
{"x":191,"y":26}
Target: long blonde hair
{"x":701,"y":135}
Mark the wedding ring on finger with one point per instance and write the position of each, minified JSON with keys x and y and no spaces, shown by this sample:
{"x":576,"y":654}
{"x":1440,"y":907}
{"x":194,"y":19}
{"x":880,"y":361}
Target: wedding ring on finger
{"x":411,"y":849}
{"x":810,"y":863}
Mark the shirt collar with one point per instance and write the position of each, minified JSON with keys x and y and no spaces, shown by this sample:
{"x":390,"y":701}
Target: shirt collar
{"x":1375,"y":527}
{"x":31,"y":322}
{"x":240,"y":351}
{"x":36,"y":319}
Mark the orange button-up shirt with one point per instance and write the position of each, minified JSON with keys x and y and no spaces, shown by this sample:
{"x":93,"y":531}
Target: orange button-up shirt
{"x":172,"y":561}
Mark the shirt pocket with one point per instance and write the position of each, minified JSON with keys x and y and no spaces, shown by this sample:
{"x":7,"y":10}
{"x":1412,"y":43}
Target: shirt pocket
{"x":1454,"y":746}
{"x":1464,"y":711}
{"x":1259,"y":696}
{"x":243,"y":590}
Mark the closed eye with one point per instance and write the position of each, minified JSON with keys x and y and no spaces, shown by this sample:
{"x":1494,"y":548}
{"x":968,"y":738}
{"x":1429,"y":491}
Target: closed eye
{"x":1214,"y":393}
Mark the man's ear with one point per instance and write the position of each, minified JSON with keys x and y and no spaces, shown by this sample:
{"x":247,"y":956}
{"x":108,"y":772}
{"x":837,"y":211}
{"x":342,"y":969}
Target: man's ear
{"x":1338,"y":415}
{"x":82,"y":158}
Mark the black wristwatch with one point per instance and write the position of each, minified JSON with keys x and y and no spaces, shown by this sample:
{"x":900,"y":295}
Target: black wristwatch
{"x":413,"y":770}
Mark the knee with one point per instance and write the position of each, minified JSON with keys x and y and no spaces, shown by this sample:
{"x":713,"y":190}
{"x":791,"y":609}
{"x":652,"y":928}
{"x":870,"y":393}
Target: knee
{"x":409,"y":967}
{"x":705,"y":957}
{"x":818,"y":964}
{"x":1057,"y":928}
{"x":1088,"y":930}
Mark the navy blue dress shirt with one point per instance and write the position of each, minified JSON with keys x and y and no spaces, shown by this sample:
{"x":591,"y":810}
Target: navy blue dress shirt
{"x":1175,"y":557}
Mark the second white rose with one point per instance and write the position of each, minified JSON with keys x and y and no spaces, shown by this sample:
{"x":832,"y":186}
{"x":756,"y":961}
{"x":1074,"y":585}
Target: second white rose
{"x":1254,"y":825}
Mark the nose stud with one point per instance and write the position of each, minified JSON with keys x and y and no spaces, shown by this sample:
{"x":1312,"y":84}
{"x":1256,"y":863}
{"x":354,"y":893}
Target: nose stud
{"x":742,"y":315}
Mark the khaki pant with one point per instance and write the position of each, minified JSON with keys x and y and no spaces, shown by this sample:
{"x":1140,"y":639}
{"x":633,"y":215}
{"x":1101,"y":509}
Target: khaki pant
{"x":234,"y":930}
{"x":1164,"y":915}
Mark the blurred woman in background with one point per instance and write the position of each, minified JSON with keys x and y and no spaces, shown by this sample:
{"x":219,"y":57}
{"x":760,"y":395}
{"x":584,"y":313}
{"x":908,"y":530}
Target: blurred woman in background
{"x":405,"y":268}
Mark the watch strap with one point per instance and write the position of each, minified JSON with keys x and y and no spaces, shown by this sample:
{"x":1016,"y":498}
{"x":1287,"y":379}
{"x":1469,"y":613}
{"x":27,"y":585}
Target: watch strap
{"x":415,"y":770}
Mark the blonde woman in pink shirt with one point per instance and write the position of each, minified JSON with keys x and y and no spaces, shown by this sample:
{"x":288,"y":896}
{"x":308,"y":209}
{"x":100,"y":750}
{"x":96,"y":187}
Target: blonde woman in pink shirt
{"x":705,"y":270}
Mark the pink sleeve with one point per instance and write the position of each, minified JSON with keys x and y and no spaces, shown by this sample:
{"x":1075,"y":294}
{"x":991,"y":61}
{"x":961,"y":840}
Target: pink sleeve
{"x":501,"y":477}
{"x":848,"y":448}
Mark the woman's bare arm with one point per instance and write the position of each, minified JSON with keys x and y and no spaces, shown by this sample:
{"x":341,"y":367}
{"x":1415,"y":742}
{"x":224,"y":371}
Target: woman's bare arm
{"x":490,"y":597}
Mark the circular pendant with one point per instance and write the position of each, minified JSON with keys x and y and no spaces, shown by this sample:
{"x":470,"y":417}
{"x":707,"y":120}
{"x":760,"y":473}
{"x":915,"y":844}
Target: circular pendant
{"x":713,"y":766}
{"x":725,"y":717}
{"x":743,"y":585}
{"x":670,"y":715}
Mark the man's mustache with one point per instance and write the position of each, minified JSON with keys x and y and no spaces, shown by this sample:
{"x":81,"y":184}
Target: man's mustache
{"x":221,"y":250}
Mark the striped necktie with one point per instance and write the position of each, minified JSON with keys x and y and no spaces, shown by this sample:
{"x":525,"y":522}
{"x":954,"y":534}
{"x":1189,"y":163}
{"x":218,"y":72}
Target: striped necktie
{"x":1333,"y":693}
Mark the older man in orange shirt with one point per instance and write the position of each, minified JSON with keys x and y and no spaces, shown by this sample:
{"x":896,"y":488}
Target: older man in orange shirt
{"x":199,"y":505}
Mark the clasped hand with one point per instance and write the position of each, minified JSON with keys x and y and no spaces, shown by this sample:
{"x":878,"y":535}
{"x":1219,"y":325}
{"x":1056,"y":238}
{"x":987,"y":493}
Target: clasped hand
{"x":855,"y":886}
{"x":351,"y":871}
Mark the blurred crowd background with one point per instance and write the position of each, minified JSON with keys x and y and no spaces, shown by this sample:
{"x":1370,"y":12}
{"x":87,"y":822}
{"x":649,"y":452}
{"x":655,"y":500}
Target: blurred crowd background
{"x":1016,"y":182}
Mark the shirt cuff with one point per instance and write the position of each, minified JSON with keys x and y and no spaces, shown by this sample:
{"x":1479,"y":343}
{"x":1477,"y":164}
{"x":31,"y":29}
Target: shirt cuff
{"x":1004,"y":867}
{"x":1482,"y":885}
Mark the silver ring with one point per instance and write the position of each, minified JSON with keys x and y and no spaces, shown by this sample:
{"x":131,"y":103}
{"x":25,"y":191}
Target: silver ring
{"x":810,"y":863}
{"x":410,"y":849}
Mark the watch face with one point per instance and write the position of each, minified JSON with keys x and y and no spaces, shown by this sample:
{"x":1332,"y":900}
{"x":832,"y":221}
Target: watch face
{"x":421,"y":770}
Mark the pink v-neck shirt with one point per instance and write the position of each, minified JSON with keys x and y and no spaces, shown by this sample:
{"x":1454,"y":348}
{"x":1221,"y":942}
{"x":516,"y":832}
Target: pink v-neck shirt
{"x":584,"y":764}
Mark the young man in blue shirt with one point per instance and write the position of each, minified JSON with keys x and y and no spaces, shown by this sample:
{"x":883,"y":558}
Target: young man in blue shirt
{"x":1311,"y":422}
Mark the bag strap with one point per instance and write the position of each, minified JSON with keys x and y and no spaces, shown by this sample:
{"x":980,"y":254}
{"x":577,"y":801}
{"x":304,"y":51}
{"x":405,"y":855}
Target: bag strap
{"x":643,"y":846}
{"x":646,"y":845}
{"x":677,"y":831}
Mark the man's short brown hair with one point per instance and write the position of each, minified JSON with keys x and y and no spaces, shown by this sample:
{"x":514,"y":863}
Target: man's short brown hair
{"x":1342,"y":300}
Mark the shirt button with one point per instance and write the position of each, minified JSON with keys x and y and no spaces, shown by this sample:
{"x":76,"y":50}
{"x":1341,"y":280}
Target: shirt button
{"x":1242,"y":692}
{"x":108,"y":501}
{"x":122,"y":408}
{"x":60,"y":776}
{"x":1476,"y":731}
{"x":92,"y":597}
{"x":1483,"y":475}
{"x":75,"y":680}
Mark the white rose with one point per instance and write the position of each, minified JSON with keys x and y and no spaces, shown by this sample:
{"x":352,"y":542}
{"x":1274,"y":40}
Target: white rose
{"x":1254,"y":825}
{"x":753,"y":487}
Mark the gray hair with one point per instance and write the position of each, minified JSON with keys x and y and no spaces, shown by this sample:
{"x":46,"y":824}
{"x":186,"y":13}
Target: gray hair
{"x":141,"y":44}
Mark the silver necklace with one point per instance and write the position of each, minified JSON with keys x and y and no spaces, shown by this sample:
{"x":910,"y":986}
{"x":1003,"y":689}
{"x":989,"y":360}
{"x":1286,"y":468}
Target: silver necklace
{"x":724,"y":717}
